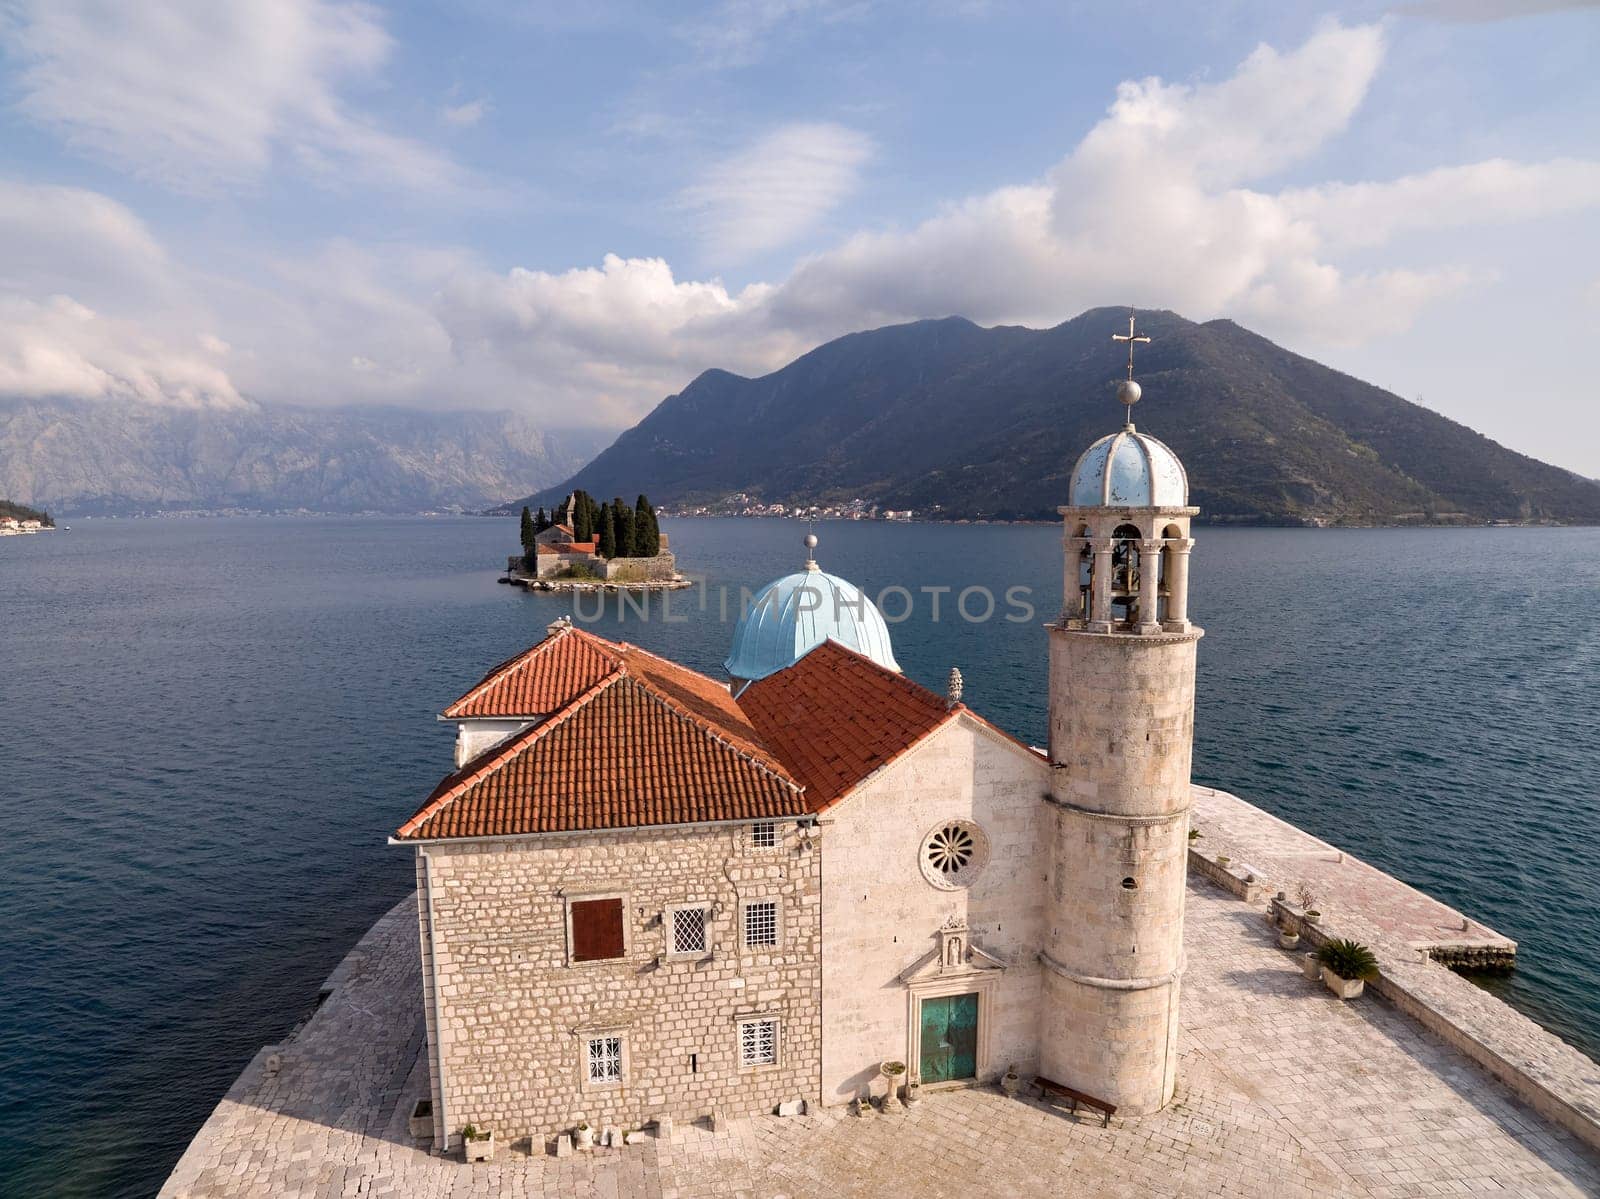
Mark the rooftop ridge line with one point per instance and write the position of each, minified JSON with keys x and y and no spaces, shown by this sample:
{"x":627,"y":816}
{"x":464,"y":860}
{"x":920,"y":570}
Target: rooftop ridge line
{"x":712,"y":731}
{"x":498,"y":756}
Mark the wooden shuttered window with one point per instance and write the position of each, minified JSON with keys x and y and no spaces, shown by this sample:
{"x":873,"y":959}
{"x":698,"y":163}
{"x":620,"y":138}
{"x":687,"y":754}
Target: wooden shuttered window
{"x":596,"y":929}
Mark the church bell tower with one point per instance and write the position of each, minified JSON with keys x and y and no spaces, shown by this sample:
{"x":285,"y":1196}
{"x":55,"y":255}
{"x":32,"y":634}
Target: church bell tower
{"x":1122,"y":661}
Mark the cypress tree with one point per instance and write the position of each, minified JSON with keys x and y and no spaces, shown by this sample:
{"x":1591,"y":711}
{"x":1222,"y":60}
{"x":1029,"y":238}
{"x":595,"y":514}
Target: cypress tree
{"x":646,"y":533}
{"x":608,"y":532}
{"x":527,"y":529}
{"x":625,"y":529}
{"x":582,"y":517}
{"x":541,"y":522}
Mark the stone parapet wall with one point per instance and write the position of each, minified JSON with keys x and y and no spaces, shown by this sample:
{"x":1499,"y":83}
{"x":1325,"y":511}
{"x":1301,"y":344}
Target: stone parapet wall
{"x":514,"y":1016}
{"x":657,"y":569}
{"x":1410,"y":933}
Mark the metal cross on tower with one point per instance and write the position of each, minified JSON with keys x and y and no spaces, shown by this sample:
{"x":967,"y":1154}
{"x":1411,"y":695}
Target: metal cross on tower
{"x":1132,"y":340}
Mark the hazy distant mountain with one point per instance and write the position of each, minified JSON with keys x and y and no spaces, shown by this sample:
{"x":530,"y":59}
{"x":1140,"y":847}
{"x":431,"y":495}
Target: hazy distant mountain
{"x":77,"y":457}
{"x":988,"y":422}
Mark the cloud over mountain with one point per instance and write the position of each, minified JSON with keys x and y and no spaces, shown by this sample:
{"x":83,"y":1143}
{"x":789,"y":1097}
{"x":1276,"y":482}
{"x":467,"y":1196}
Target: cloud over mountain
{"x":1174,"y":198}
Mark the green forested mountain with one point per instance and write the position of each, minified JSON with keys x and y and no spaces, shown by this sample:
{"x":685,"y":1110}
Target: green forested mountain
{"x":952,"y":419}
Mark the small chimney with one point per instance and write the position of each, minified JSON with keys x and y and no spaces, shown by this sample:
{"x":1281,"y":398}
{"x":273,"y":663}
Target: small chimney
{"x":953,"y":690}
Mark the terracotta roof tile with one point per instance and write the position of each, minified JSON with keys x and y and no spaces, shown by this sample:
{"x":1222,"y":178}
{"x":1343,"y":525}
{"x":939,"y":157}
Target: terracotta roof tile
{"x":623,"y":755}
{"x":539,"y":681}
{"x":836,"y":716}
{"x":634,"y":740}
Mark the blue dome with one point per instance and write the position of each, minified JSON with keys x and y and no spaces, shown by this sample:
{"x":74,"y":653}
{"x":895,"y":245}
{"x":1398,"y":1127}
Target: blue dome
{"x":793,"y":615}
{"x":1129,"y":470}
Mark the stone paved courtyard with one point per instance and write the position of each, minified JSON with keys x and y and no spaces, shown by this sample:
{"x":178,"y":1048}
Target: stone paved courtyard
{"x":1283,"y":1091}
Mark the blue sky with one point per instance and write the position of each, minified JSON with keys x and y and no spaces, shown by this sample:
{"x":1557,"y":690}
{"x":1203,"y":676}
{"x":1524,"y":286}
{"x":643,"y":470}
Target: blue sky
{"x":572,"y":210}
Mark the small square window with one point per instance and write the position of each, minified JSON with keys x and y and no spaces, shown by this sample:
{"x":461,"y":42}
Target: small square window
{"x":689,"y":930}
{"x":758,"y":1042}
{"x":764,"y":836}
{"x":761,"y":924}
{"x":605,"y":1059}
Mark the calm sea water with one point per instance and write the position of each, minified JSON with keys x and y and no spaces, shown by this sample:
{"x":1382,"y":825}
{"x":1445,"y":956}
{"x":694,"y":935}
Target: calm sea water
{"x":209,"y":727}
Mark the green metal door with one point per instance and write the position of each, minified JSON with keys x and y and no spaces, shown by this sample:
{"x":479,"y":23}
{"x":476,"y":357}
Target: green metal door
{"x":949,"y":1038}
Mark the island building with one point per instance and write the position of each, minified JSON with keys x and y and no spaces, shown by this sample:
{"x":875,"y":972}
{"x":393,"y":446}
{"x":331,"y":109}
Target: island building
{"x":556,"y":550}
{"x":645,"y":892}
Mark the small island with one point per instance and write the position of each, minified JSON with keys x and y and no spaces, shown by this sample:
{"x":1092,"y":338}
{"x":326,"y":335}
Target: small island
{"x":586,"y":545}
{"x":16,"y":519}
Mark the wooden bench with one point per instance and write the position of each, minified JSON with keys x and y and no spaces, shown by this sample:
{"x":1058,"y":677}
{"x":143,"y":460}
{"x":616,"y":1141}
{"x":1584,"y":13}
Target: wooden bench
{"x":1048,"y":1088}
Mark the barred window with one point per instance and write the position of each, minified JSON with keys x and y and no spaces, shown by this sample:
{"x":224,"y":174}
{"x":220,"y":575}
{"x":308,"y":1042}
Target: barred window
{"x":605,"y":1059}
{"x":758,"y":1043}
{"x":761,"y":923}
{"x":689,"y":930}
{"x":764,"y":836}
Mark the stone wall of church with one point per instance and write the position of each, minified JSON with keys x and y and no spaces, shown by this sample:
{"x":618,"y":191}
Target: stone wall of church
{"x":881,"y":916}
{"x":514,"y":1017}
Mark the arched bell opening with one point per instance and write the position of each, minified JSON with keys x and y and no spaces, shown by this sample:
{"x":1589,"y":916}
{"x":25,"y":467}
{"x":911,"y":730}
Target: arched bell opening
{"x":1126,"y":574}
{"x":1170,"y":536}
{"x":1085,"y":579}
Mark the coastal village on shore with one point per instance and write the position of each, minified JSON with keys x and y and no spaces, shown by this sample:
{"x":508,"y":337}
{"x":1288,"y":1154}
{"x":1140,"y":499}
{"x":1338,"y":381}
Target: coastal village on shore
{"x":811,"y":928}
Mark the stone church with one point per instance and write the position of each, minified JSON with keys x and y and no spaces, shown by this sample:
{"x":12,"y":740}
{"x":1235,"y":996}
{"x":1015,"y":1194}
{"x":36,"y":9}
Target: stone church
{"x":649,"y":893}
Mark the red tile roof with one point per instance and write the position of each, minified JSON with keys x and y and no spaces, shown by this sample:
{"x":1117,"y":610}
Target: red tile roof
{"x":836,"y":716}
{"x":648,"y":743}
{"x":539,"y":681}
{"x":633,"y":740}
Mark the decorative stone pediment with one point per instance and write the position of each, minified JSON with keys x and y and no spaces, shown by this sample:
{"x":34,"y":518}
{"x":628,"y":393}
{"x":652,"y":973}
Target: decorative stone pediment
{"x":954,"y":955}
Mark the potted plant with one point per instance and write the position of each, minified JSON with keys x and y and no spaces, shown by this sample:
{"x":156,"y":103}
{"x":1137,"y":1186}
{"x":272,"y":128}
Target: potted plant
{"x":477,"y":1145}
{"x":1288,"y":939}
{"x":1223,"y":860}
{"x":422,"y":1120}
{"x":583,"y":1135}
{"x":913,"y":1089}
{"x":1347,"y":967}
{"x":893,"y":1072}
{"x":1308,"y":903}
{"x":1011,"y":1081}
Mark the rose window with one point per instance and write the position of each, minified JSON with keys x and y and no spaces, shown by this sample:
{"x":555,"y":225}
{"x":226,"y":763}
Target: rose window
{"x":952,"y":854}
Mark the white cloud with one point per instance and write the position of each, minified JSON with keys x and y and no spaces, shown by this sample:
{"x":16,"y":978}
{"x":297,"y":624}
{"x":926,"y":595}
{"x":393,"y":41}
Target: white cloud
{"x":464,"y":116}
{"x":1473,"y":12}
{"x":61,"y":348}
{"x":598,"y":340}
{"x":198,"y":95}
{"x":1169,"y":201}
{"x":777,"y":189}
{"x":1370,"y":214}
{"x":738,"y":32}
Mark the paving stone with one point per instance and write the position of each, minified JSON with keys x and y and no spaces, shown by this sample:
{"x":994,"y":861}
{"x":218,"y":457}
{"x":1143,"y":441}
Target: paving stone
{"x":1283,"y":1091}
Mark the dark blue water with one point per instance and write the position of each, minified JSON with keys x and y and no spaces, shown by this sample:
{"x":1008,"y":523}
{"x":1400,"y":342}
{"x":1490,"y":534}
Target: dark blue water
{"x":208,"y":727}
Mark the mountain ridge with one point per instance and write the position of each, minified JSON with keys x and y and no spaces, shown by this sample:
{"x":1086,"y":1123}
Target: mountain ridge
{"x":94,"y":457}
{"x":960,"y":421}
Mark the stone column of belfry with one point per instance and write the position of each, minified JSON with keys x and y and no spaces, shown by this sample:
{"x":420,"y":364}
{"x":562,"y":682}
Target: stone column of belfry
{"x":1121,"y":735}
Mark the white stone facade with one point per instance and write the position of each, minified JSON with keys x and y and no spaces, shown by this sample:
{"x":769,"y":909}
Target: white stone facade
{"x":509,"y":1015}
{"x":882,"y":918}
{"x":473,"y":737}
